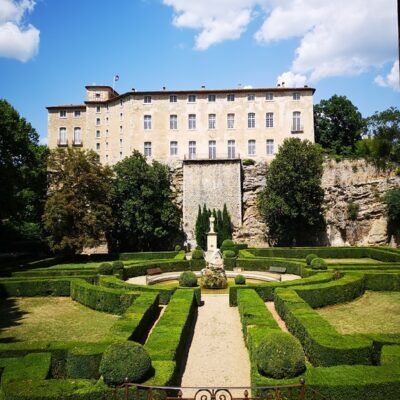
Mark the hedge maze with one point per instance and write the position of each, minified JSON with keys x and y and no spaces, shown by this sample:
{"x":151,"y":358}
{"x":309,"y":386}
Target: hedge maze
{"x":351,"y":366}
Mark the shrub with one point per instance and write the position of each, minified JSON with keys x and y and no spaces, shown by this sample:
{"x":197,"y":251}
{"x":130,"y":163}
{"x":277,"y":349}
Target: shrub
{"x":248,"y":161}
{"x":197,"y":254}
{"x":336,"y":274}
{"x":280,"y":355}
{"x":178,"y":248}
{"x":125,"y":360}
{"x":352,"y":210}
{"x":188,"y":279}
{"x":240,"y":280}
{"x":105,"y":269}
{"x":310,"y":257}
{"x":229,"y":254}
{"x":228,"y":244}
{"x":318,"y":263}
{"x":198,"y":248}
{"x":118,"y":268}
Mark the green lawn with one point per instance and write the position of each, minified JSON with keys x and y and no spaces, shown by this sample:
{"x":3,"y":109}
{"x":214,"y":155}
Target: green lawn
{"x":231,"y":282}
{"x":374,"y":312}
{"x":51,"y":319}
{"x":352,"y":261}
{"x":89,"y":265}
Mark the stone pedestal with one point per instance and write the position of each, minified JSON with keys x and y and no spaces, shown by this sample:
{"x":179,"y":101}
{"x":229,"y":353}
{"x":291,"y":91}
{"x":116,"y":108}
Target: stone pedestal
{"x":211,"y":242}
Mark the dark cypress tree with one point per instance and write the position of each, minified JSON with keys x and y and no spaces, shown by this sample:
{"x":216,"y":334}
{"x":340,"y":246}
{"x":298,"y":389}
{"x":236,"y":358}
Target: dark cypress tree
{"x":200,"y":229}
{"x":226,"y":225}
{"x":218,"y":228}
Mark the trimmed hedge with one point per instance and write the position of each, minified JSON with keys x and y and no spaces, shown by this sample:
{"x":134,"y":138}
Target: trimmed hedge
{"x":83,"y":361}
{"x":318,"y":263}
{"x":153,"y":255}
{"x":390,"y":355}
{"x":54,"y":273}
{"x":263,"y":264}
{"x":187,"y":279}
{"x":100,"y":298}
{"x":170,"y":337}
{"x":140,"y":268}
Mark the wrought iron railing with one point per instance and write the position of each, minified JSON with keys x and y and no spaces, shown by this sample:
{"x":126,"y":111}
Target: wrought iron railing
{"x":298,"y":391}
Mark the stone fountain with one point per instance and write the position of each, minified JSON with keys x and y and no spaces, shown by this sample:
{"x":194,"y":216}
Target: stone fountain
{"x":213,"y":275}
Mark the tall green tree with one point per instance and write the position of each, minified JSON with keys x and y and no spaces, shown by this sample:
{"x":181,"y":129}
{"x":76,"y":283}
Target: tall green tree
{"x":200,"y":230}
{"x":146,"y":216}
{"x":219,"y":228}
{"x":226,"y":225}
{"x":392,"y":200}
{"x":77,"y":212}
{"x":22,"y":176}
{"x":291,"y":202}
{"x":338,"y":124}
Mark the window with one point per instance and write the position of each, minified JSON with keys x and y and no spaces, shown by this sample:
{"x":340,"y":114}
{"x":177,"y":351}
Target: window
{"x":106,"y":145}
{"x":211,"y":98}
{"x":106,"y":132}
{"x":97,"y":146}
{"x":192,"y":150}
{"x":97,"y":95}
{"x":270,"y":147}
{"x":77,"y":136}
{"x":296,"y":127}
{"x":250,"y":97}
{"x":173,"y":99}
{"x":121,"y":103}
{"x":251,"y":120}
{"x":230,"y":97}
{"x":77,"y":113}
{"x":98,"y":134}
{"x":251,"y":148}
{"x":269,"y":96}
{"x":63,"y":114}
{"x":211,"y":121}
{"x":212,"y":149}
{"x":192,"y":98}
{"x":173,"y":148}
{"x":296,"y":96}
{"x":147,"y":149}
{"x":107,"y":107}
{"x":106,"y":157}
{"x":147,"y":122}
{"x":107,"y":120}
{"x":121,"y":116}
{"x":62,"y":136}
{"x":230,"y":121}
{"x":231,"y":149}
{"x":192,"y":121}
{"x":173,"y":121}
{"x":120,"y":142}
{"x":98,"y":109}
{"x":120,"y":130}
{"x":147,"y":99}
{"x":269,"y":120}
{"x":120,"y":154}
{"x":97,"y":121}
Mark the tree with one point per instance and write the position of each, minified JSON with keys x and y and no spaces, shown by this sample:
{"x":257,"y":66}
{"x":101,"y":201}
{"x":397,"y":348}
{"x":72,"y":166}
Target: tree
{"x":382,"y":145}
{"x":22,"y":176}
{"x":77,"y":212}
{"x":146,"y":217}
{"x":200,"y":230}
{"x":392,"y":200}
{"x":226,"y":225}
{"x":338,"y":124}
{"x":291,"y":202}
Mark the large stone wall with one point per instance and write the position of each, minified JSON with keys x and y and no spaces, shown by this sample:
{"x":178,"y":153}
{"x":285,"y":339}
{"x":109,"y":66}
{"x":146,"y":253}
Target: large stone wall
{"x":213,"y":183}
{"x":343,"y":182}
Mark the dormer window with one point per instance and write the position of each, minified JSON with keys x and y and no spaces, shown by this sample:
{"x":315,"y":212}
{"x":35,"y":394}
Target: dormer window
{"x":97,"y":95}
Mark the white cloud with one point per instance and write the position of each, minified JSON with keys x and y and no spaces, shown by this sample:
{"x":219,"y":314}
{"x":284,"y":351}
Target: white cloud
{"x":336,"y":38}
{"x":17,"y":40}
{"x":392,"y":79}
{"x":289,"y":79}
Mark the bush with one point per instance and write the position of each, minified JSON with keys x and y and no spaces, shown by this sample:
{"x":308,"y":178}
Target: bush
{"x":318,"y":263}
{"x":188,"y":279}
{"x":240,"y":280}
{"x":310,"y":257}
{"x":280,"y":356}
{"x":105,"y":269}
{"x":228,"y":244}
{"x":229,"y":254}
{"x":125,"y":360}
{"x":197,"y":254}
{"x":178,"y":248}
{"x":248,"y":161}
{"x":118,"y":268}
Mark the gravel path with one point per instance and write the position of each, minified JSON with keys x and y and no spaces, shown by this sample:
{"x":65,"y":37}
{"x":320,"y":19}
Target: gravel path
{"x":217,"y":356}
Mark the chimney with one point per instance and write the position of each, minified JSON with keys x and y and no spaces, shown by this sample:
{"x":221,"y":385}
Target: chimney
{"x":203,"y":86}
{"x":163,"y":88}
{"x":133,"y":89}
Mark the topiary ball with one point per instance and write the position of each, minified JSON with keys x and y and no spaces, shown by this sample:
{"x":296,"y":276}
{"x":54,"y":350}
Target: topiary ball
{"x":197,"y":254}
{"x":280,"y":356}
{"x":310,"y":257}
{"x":125,"y":360}
{"x":228,"y":244}
{"x":240,"y":280}
{"x":318,"y":263}
{"x":105,"y":269}
{"x":229,"y":254}
{"x":188,"y":279}
{"x":118,"y":268}
{"x":178,"y":248}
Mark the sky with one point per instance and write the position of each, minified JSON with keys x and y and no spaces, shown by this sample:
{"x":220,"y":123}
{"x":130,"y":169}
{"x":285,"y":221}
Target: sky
{"x":51,"y":49}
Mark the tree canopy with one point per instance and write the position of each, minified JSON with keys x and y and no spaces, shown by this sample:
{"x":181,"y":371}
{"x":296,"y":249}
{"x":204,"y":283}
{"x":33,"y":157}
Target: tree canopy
{"x":22,"y":176}
{"x":338,"y":125}
{"x":146,"y":217}
{"x":291,"y":201}
{"x":77,"y":212}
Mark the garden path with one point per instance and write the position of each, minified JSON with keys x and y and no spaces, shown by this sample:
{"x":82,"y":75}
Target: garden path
{"x":218,"y":356}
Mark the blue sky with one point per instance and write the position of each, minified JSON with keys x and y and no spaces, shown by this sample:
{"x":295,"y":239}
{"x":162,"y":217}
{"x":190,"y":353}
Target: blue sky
{"x":181,"y":44}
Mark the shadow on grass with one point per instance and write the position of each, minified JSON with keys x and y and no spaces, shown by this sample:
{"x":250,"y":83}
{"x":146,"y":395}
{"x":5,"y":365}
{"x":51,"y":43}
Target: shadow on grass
{"x":11,"y":315}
